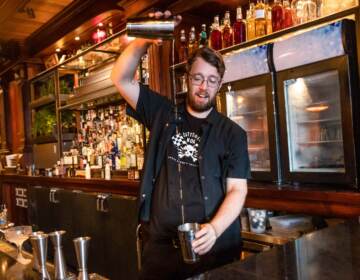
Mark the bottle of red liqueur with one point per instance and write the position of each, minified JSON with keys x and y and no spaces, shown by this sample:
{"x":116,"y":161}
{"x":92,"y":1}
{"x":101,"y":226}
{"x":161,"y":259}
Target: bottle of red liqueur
{"x":239,"y":28}
{"x":288,"y":15}
{"x":277,"y":16}
{"x":227,"y":33}
{"x":215,"y":36}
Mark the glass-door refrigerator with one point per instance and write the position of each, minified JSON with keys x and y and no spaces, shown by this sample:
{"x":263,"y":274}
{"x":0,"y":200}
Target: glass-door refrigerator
{"x":317,"y":88}
{"x":246,"y":97}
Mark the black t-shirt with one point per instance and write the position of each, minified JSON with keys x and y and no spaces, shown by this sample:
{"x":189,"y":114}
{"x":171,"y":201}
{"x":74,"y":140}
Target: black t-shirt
{"x":166,"y":204}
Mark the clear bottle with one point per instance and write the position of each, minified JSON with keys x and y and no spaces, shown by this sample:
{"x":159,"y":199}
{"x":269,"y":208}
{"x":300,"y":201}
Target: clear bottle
{"x":227,"y":34}
{"x":309,"y":10}
{"x":239,"y":27}
{"x":297,"y":8}
{"x":260,"y":19}
{"x":215,"y":36}
{"x":250,"y":22}
{"x":87,"y":171}
{"x":277,"y":15}
{"x":288,"y":15}
{"x":203,"y":40}
{"x":183,"y":49}
{"x":107,"y":171}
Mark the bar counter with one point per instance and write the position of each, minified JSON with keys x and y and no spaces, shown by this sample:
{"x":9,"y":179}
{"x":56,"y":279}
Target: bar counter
{"x":323,"y":200}
{"x":329,"y":254}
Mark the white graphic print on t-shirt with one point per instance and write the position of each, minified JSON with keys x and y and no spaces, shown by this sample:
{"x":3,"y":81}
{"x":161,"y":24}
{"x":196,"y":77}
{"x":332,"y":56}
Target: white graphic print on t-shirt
{"x":187,"y":145}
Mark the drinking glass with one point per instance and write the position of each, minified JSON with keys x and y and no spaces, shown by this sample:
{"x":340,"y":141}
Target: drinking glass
{"x":18,"y":235}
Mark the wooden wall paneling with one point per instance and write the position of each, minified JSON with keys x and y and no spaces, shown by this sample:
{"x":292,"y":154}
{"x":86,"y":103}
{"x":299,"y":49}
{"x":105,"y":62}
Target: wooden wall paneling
{"x":3,"y":139}
{"x":16,"y":116}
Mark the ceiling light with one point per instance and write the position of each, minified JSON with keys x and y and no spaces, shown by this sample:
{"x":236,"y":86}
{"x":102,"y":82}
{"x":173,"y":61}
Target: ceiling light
{"x":58,"y":50}
{"x":77,"y":38}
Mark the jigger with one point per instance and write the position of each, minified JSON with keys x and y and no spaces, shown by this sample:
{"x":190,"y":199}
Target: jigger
{"x":81,"y":248}
{"x":60,"y":264}
{"x":36,"y":265}
{"x":39,"y":245}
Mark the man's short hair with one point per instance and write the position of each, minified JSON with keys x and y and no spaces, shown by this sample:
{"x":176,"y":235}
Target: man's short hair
{"x":210,"y":56}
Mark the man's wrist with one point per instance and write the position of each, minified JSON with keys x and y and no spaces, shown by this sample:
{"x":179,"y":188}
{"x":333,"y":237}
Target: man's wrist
{"x":214,"y":229}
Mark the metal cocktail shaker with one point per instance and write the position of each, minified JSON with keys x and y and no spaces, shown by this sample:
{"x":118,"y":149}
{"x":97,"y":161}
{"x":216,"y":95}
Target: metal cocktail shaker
{"x":81,"y":249}
{"x":39,"y":245}
{"x":150,"y":28}
{"x":60,"y":264}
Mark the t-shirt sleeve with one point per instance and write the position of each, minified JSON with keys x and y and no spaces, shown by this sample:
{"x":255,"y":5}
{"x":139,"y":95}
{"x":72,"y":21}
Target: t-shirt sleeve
{"x":238,"y":161}
{"x":148,"y":104}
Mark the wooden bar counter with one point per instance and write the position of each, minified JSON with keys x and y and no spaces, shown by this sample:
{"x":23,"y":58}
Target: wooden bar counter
{"x":313,"y":199}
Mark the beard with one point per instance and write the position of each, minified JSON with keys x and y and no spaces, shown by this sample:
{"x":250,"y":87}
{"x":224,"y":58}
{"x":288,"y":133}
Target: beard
{"x":200,"y":107}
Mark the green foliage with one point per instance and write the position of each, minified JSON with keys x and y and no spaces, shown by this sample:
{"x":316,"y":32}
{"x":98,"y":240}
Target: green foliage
{"x":64,"y":87}
{"x":47,"y":88}
{"x":44,"y":122}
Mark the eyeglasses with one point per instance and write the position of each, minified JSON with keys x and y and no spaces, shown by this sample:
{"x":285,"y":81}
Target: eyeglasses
{"x":198,"y":79}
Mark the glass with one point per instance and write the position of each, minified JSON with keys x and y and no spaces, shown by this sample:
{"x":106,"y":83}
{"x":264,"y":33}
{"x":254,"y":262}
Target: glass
{"x":18,"y":235}
{"x":247,"y":107}
{"x":313,"y":116}
{"x":304,"y":10}
{"x":198,"y":80}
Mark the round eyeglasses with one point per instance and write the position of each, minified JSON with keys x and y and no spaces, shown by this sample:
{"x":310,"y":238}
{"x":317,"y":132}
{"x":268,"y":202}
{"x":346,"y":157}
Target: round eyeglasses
{"x":198,"y":79}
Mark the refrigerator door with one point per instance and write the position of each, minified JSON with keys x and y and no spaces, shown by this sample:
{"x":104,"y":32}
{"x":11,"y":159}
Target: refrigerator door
{"x":314,"y":130}
{"x":249,"y":104}
{"x":316,"y":123}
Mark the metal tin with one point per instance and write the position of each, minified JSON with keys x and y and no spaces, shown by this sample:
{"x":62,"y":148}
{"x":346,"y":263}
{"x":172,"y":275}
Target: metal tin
{"x":149,"y":28}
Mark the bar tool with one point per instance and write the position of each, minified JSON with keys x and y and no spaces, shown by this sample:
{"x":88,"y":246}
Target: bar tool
{"x":39,"y":245}
{"x":60,"y":264}
{"x":81,"y":248}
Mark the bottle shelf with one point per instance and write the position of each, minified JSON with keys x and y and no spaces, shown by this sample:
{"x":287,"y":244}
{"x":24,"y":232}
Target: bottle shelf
{"x":320,"y":142}
{"x":319,"y":121}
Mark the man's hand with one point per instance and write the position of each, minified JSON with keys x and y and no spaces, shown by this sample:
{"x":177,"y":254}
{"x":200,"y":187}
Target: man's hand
{"x":205,"y":239}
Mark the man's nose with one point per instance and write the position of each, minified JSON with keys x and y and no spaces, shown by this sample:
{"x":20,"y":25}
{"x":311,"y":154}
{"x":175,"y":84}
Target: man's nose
{"x":203,"y":85}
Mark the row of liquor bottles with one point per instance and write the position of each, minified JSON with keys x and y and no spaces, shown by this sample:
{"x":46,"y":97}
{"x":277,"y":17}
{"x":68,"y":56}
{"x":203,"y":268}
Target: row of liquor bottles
{"x":261,"y":19}
{"x":107,"y":140}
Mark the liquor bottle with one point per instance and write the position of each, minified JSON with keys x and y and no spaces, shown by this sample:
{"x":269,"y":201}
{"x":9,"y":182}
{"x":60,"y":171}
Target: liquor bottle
{"x":227,"y":34}
{"x":107,"y":171}
{"x":250,"y":22}
{"x":277,"y":16}
{"x":309,"y":10}
{"x":239,"y":27}
{"x":192,"y":45}
{"x":268,"y":21}
{"x":288,"y":14}
{"x":183,"y":49}
{"x":87,"y":171}
{"x":203,"y":41}
{"x":260,"y":19}
{"x":215,"y":36}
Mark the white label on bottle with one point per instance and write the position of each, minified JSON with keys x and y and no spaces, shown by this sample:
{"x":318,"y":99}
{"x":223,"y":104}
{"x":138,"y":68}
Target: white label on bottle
{"x":259,"y":14}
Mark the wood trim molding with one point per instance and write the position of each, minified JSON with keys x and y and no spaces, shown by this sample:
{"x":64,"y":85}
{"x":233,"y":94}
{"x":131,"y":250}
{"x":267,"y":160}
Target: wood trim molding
{"x":70,"y":18}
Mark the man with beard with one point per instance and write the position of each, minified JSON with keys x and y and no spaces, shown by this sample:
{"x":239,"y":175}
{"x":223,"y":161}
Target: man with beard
{"x":201,"y":150}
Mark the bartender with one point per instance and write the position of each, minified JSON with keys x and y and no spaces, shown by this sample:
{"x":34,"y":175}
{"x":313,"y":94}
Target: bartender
{"x":200,"y":151}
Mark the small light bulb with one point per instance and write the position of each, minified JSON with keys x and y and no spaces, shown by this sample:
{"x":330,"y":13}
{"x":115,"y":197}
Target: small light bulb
{"x":77,"y":38}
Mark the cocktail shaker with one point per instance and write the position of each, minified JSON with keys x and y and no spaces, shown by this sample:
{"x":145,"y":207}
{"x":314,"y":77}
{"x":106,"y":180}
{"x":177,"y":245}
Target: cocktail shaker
{"x":60,"y":264}
{"x":151,"y":28}
{"x":81,"y":249}
{"x":39,"y":245}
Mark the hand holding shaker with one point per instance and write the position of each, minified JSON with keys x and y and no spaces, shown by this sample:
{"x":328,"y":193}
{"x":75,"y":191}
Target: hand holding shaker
{"x":186,"y":234}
